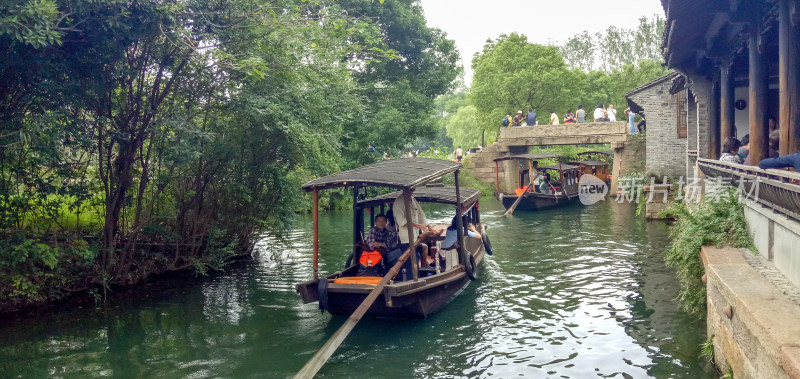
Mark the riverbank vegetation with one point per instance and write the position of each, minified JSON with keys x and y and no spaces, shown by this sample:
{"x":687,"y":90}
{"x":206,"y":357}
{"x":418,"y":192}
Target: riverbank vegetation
{"x":718,"y":220}
{"x":145,"y":137}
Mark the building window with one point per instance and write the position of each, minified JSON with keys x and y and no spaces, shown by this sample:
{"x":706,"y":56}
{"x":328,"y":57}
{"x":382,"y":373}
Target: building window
{"x":680,"y":116}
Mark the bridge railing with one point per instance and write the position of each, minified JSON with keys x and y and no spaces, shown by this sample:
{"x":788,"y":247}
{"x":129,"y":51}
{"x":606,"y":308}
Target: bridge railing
{"x":775,"y":189}
{"x":564,"y":134}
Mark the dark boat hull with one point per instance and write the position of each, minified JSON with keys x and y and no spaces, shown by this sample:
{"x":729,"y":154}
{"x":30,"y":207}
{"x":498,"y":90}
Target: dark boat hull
{"x":537,"y":201}
{"x":409,"y":299}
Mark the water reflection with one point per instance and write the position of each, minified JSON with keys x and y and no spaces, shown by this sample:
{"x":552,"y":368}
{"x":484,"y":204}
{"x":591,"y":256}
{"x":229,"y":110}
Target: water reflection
{"x":574,"y":292}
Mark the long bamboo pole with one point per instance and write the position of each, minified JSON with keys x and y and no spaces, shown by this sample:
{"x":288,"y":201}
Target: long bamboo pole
{"x":324,"y":353}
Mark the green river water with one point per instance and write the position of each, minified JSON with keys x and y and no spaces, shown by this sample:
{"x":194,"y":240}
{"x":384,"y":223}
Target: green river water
{"x":577,"y":292}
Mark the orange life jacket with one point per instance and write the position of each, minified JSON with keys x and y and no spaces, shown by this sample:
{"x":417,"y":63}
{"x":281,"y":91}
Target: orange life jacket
{"x":370,"y":258}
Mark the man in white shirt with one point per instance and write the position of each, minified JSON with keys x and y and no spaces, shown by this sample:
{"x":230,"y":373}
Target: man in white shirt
{"x":418,"y":221}
{"x":600,"y":113}
{"x":612,"y":113}
{"x":553,"y":118}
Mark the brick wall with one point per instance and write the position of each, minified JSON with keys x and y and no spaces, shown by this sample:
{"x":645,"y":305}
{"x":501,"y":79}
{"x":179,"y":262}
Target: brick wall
{"x":666,"y":153}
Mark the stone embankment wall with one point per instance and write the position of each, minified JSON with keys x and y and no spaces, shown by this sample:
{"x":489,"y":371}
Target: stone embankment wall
{"x":753,"y":315}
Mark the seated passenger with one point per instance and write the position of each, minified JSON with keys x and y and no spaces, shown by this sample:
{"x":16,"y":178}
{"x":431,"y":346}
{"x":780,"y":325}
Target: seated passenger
{"x":452,"y":232}
{"x":744,"y":149}
{"x":730,"y":151}
{"x":380,"y":236}
{"x":545,"y":186}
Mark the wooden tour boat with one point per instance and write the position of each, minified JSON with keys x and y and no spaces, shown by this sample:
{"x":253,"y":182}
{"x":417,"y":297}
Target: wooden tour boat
{"x":590,"y":163}
{"x":562,"y":192}
{"x":427,"y":289}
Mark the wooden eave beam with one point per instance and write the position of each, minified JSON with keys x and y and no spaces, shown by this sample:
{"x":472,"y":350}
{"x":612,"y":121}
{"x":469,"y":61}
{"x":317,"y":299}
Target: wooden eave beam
{"x":671,"y":33}
{"x":719,"y":22}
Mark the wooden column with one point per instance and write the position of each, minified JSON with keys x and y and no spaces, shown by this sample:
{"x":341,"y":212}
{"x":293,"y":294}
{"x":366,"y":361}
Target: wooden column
{"x":459,"y":224}
{"x":714,"y":143}
{"x":497,"y":177}
{"x":315,"y":212}
{"x":412,"y":246}
{"x":726,"y":102}
{"x":356,"y":224}
{"x":759,"y":130}
{"x":788,"y":78}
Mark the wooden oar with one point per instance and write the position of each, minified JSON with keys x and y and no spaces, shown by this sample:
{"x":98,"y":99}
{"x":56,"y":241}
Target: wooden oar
{"x":554,"y":191}
{"x":315,"y":363}
{"x":511,"y":209}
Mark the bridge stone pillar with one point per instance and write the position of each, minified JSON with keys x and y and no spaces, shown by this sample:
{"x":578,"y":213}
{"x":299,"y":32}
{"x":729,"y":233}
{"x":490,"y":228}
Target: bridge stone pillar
{"x":510,"y":167}
{"x":629,"y":156}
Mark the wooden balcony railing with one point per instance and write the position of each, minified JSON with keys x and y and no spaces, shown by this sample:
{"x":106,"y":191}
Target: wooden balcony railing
{"x":776,"y":189}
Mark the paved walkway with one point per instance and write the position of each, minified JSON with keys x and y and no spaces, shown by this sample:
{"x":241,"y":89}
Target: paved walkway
{"x":768,"y":270}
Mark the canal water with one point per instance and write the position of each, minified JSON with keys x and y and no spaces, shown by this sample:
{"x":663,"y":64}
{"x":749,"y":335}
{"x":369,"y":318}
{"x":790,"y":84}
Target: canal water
{"x":576,"y":292}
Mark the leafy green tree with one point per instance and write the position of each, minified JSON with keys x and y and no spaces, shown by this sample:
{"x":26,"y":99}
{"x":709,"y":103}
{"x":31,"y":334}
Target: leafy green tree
{"x":400,"y":86}
{"x":610,"y":50}
{"x":32,"y":22}
{"x":513,"y":74}
{"x":578,"y":52}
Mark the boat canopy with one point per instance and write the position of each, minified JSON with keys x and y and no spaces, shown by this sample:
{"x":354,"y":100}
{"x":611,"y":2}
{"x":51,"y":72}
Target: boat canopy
{"x":563,"y":167}
{"x":529,"y":156}
{"x":606,"y":152}
{"x":401,"y":173}
{"x":440,"y":194}
{"x":589,"y":163}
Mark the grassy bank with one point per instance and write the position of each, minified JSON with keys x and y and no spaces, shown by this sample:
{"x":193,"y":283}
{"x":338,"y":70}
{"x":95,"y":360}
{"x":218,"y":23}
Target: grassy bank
{"x":717,"y":221}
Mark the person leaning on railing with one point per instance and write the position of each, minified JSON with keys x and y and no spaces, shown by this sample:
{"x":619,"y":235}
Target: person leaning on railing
{"x":791,"y":160}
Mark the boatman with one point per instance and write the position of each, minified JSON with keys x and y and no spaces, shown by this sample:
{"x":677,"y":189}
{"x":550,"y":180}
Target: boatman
{"x":418,"y":221}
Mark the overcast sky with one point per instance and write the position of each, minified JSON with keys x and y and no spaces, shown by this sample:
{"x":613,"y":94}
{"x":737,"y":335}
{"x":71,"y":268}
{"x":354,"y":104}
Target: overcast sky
{"x":471,"y":22}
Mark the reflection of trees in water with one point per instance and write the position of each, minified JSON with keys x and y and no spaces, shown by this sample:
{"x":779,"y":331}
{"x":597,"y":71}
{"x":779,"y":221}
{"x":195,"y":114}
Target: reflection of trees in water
{"x":653,"y":305}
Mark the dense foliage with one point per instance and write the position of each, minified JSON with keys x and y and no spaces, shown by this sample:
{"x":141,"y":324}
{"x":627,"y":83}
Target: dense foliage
{"x":718,"y":221}
{"x":616,"y":47}
{"x":512,"y":74}
{"x":148,"y":136}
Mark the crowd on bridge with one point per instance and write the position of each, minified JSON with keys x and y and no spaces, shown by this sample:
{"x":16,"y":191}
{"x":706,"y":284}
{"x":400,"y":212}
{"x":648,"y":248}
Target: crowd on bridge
{"x":601,"y":114}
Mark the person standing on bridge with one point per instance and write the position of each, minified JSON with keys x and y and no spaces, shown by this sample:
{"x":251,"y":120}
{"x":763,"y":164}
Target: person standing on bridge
{"x":581,"y":114}
{"x":600,"y":113}
{"x":612,"y":113}
{"x":553,"y":118}
{"x":631,"y":124}
{"x":531,"y":117}
{"x":569,"y":118}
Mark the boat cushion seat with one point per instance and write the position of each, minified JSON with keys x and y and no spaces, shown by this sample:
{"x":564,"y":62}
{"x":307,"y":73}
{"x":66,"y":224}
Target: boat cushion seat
{"x":369,"y":280}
